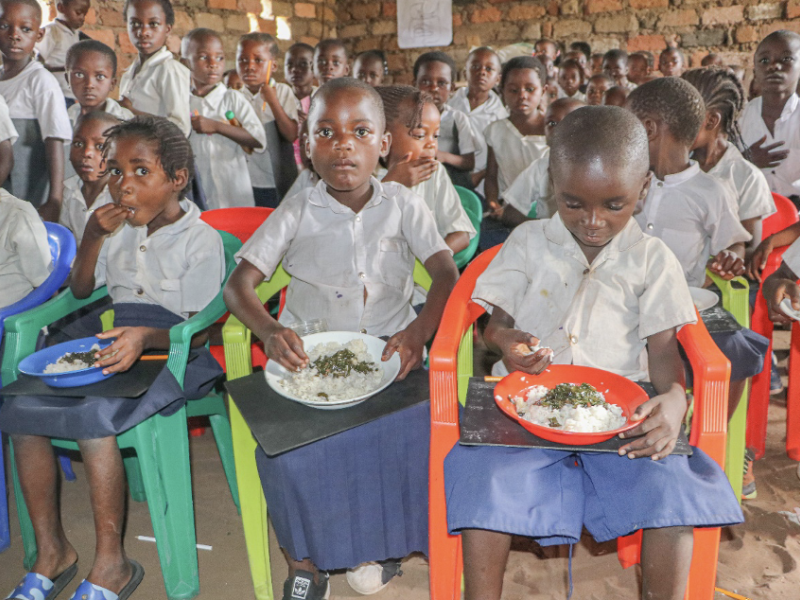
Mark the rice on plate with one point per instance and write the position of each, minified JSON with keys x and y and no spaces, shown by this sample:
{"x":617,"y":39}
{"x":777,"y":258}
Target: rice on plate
{"x":73,"y":361}
{"x":569,"y":407}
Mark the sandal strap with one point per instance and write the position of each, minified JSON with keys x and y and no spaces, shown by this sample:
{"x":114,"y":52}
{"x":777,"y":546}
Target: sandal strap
{"x":90,"y":591}
{"x":32,"y":587}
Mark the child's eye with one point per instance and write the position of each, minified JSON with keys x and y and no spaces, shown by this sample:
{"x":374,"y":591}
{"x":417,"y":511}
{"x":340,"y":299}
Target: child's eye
{"x":362,"y":131}
{"x":77,"y":144}
{"x":325,"y":132}
{"x":114,"y":171}
{"x":551,"y":124}
{"x":615,"y":207}
{"x":141,"y":171}
{"x":100,"y":146}
{"x":77,"y":75}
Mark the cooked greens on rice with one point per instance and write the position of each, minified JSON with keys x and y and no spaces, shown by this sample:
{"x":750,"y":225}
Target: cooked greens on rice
{"x":335,"y":372}
{"x":569,"y":407}
{"x":73,"y":361}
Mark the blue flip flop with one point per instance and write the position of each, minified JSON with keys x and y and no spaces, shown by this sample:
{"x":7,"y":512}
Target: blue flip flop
{"x":90,"y":591}
{"x":38,"y":587}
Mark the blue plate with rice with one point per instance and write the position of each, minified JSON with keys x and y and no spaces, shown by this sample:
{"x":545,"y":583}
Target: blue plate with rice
{"x":58,"y":367}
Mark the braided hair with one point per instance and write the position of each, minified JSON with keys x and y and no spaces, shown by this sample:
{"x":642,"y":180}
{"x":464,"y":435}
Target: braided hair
{"x":722,"y":92}
{"x":403,"y":103}
{"x":173,"y":149}
{"x":378,"y":55}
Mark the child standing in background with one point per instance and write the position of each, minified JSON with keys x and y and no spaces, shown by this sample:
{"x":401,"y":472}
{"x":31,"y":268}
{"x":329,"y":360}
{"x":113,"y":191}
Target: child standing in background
{"x":479,"y":102}
{"x":570,"y":80}
{"x":59,"y":37}
{"x":330,"y":61}
{"x":92,"y":73}
{"x":671,"y":62}
{"x":272,"y":172}
{"x":434,"y":73}
{"x":218,"y":145}
{"x":615,"y":65}
{"x":597,"y":87}
{"x":36,"y":107}
{"x":88,"y":190}
{"x":371,"y":67}
{"x":298,"y":70}
{"x":155,"y":83}
{"x":640,"y":67}
{"x":8,"y":136}
{"x":232,"y":80}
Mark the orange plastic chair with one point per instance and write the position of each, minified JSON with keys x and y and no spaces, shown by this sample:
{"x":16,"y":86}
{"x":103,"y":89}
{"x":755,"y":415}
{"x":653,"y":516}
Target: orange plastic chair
{"x":757,"y":412}
{"x":241,"y":222}
{"x":450,"y":370}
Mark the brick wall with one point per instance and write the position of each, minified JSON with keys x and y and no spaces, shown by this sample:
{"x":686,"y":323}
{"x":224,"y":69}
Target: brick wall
{"x":729,"y":27}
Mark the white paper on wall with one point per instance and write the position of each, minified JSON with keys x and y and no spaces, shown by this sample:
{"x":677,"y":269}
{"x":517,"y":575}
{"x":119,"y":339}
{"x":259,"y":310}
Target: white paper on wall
{"x":424,"y":23}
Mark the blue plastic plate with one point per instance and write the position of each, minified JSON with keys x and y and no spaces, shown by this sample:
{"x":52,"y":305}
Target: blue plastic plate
{"x":35,"y":364}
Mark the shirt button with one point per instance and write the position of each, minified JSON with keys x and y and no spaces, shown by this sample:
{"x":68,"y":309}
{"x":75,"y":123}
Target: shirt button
{"x":358,"y":218}
{"x":586,"y":271}
{"x":573,"y":339}
{"x":139,"y":292}
{"x":650,"y":226}
{"x":142,"y":248}
{"x":362,"y":275}
{"x":660,"y":184}
{"x":364,"y":331}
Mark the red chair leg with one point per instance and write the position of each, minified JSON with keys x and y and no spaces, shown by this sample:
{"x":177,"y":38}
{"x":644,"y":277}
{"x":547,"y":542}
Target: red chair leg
{"x":703,"y":573}
{"x":629,"y":549}
{"x":758,"y":407}
{"x":793,"y":397}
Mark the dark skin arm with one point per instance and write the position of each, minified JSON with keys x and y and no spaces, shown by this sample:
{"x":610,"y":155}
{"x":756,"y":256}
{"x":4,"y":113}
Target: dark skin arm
{"x":511,"y":217}
{"x":781,"y":284}
{"x":769,"y":156}
{"x":457,"y":241}
{"x":238,"y":134}
{"x":6,"y":160}
{"x":54,"y":154}
{"x":758,"y":260}
{"x":410,"y":173}
{"x":285,"y":346}
{"x":286,"y":126}
{"x":491,"y":186}
{"x":729,"y":263}
{"x":462,"y":162}
{"x":502,"y":336}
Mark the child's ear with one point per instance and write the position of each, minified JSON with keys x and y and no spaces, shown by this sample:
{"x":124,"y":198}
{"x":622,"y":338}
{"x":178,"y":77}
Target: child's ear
{"x":181,"y":180}
{"x":713,"y":120}
{"x":306,"y":143}
{"x":386,"y":144}
{"x":651,"y":127}
{"x":646,"y":187}
{"x":347,"y":69}
{"x":113,"y":82}
{"x":40,"y":35}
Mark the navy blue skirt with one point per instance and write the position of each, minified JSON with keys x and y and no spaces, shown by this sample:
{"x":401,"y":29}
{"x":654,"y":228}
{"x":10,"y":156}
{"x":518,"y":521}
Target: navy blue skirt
{"x":358,"y":496}
{"x":96,"y":417}
{"x":746,"y":350}
{"x":551,"y":495}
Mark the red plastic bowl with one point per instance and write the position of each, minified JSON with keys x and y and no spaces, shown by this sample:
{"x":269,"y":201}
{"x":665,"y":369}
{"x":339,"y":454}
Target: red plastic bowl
{"x":621,"y":391}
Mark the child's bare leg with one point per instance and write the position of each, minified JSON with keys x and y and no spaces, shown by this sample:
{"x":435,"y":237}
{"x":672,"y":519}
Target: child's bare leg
{"x":106,"y":476}
{"x":300,"y":565}
{"x":735,"y":395}
{"x":485,"y":558}
{"x":38,"y":475}
{"x":666,"y":558}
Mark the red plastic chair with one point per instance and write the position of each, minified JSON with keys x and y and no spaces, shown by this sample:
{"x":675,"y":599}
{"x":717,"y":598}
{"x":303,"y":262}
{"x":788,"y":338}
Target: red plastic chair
{"x":450,"y":369}
{"x":758,"y":409}
{"x":241,"y":222}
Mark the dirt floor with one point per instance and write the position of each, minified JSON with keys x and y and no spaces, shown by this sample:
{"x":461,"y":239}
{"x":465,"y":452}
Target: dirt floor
{"x":758,"y":559}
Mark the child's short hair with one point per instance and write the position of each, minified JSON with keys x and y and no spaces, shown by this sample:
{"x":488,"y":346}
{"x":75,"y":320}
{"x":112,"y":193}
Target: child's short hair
{"x":377,"y":55}
{"x":674,"y":102}
{"x":393,"y":97}
{"x":572,"y":63}
{"x":583,"y":47}
{"x":647,"y":57}
{"x":195,"y":35}
{"x":173,"y":148}
{"x":436,"y":56}
{"x":349,"y":83}
{"x":333,"y":43}
{"x":616,"y":54}
{"x":484,"y":49}
{"x":722,"y":92}
{"x":262,"y":38}
{"x":611,"y":133}
{"x":301,"y":45}
{"x":677,"y":51}
{"x":84,"y":47}
{"x":781,"y":34}
{"x":602,"y":76}
{"x":97,"y":115}
{"x":166,"y":6}
{"x":32,"y":3}
{"x":524,"y":62}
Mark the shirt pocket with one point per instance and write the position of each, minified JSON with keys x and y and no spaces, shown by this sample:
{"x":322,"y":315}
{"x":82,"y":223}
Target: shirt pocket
{"x":395,"y":257}
{"x":170,"y":294}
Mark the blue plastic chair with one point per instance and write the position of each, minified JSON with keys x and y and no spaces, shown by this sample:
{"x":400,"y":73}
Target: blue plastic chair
{"x":62,"y":251}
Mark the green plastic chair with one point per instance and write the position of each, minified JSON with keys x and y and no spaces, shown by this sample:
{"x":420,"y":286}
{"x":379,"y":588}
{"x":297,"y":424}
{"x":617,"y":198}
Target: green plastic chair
{"x":472,"y":204}
{"x":237,"y":341}
{"x":155,"y":452}
{"x":736,"y":300}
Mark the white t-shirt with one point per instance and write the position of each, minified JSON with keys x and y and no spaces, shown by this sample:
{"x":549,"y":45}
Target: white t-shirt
{"x":455,"y":132}
{"x":481,"y":117}
{"x":513,"y":151}
{"x":74,"y":213}
{"x":58,"y":39}
{"x":746,"y":183}
{"x":222,"y":163}
{"x":262,"y":166}
{"x":25,"y":260}
{"x":692,"y":213}
{"x":583,"y":311}
{"x":305,"y":179}
{"x":7,"y":129}
{"x":785,"y":178}
{"x":180,"y":266}
{"x":34,"y":94}
{"x":579,"y":95}
{"x":112,"y":107}
{"x":533,"y":186}
{"x":355,"y":270}
{"x":161,"y":88}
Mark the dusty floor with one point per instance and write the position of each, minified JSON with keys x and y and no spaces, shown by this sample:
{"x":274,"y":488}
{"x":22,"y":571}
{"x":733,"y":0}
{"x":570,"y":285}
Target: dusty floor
{"x":758,"y":559}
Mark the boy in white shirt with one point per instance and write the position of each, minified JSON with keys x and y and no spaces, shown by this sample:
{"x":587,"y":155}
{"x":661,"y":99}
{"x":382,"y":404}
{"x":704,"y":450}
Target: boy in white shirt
{"x":92,"y":74}
{"x":770,"y":124}
{"x":219,"y":146}
{"x":615,"y":65}
{"x":59,"y":37}
{"x":8,"y":135}
{"x":272,"y":172}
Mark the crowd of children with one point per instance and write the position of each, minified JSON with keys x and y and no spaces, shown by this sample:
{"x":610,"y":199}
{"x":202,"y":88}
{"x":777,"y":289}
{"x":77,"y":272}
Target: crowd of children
{"x":616,"y":182}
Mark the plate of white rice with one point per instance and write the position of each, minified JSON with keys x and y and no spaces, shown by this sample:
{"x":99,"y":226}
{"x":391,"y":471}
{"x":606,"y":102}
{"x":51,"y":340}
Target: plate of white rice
{"x":577,"y":419}
{"x":345,"y":369}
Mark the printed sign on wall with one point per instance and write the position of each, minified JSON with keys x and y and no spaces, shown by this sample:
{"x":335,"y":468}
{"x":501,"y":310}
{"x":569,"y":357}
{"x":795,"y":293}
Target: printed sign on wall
{"x":424,"y":23}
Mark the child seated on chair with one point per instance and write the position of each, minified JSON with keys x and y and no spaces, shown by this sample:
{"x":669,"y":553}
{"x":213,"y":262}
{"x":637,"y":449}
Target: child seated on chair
{"x":589,"y":285}
{"x":163,"y":266}
{"x":349,"y":244}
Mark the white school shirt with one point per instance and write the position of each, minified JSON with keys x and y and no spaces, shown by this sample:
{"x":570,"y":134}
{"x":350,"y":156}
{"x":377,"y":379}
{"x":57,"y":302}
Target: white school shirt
{"x":455,"y":132}
{"x":533,"y":185}
{"x":74,"y":213}
{"x":579,"y":95}
{"x":512,"y":150}
{"x":597,"y":315}
{"x":180,"y":266}
{"x":746,"y":184}
{"x":442,"y":199}
{"x":261,"y":168}
{"x":58,"y":39}
{"x":692,"y":213}
{"x":112,"y":107}
{"x":481,"y":117}
{"x":305,"y":179}
{"x":34,"y":94}
{"x":336,"y":256}
{"x":221,"y":162}
{"x":7,"y":129}
{"x":25,"y":260}
{"x":785,"y":178}
{"x":161,"y":88}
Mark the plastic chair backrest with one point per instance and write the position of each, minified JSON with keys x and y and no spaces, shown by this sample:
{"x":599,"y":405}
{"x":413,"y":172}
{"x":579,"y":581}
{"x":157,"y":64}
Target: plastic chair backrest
{"x":62,"y":251}
{"x":239,"y":221}
{"x":472,"y":205}
{"x":786,"y":215}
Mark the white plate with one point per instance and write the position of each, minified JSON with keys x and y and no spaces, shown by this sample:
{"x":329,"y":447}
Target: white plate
{"x":786,"y":307}
{"x":703,"y":299}
{"x":274,"y":372}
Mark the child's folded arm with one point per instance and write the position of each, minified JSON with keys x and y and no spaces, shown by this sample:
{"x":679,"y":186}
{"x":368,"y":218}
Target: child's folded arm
{"x":758,"y":261}
{"x":6,"y":160}
{"x":491,"y":186}
{"x":54,"y":155}
{"x":462,"y":162}
{"x":287,"y":124}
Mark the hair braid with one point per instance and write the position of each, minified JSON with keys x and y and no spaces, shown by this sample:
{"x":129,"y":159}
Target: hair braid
{"x":394,"y":96}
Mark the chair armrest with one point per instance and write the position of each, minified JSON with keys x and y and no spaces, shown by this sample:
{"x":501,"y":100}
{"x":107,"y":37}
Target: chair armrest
{"x":735,"y":296}
{"x":238,"y":355}
{"x":180,"y":336}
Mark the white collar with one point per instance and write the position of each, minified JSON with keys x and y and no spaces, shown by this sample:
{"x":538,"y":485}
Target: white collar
{"x":162,"y":55}
{"x":320,"y":197}
{"x":683,"y":176}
